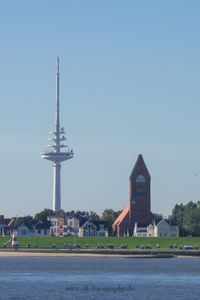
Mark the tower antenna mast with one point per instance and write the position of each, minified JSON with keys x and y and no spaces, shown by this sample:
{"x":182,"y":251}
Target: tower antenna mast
{"x":56,"y":154}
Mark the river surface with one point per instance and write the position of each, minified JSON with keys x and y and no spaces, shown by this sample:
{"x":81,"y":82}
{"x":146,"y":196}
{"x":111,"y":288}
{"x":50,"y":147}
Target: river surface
{"x":74,"y":278}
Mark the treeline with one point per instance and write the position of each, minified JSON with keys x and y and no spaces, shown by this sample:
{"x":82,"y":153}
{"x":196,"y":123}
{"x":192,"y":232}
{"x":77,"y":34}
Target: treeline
{"x":108,"y":215}
{"x":187,"y":217}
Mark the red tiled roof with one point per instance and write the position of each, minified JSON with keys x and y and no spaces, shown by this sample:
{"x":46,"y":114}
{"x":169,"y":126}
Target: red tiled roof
{"x":123,"y":216}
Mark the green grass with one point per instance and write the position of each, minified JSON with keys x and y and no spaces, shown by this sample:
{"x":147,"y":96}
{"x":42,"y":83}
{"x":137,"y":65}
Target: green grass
{"x":131,"y":242}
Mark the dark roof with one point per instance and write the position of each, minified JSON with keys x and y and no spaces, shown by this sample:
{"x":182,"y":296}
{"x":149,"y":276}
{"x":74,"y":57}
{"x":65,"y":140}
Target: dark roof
{"x":6,"y":221}
{"x":43,"y":225}
{"x":27,"y":225}
{"x":97,"y":223}
{"x":82,"y":221}
{"x":142,"y":224}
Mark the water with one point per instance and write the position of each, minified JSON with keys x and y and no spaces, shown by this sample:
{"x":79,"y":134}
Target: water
{"x":74,"y":278}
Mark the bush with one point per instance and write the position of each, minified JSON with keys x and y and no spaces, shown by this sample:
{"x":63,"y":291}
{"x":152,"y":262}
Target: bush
{"x":148,"y":247}
{"x":100,"y":246}
{"x":124,"y":246}
{"x":54,"y":246}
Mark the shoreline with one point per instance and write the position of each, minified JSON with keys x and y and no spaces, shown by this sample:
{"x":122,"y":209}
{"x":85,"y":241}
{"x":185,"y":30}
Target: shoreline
{"x":125,"y":254}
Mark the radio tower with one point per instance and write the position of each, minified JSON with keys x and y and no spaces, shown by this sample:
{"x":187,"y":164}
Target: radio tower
{"x":55,"y":154}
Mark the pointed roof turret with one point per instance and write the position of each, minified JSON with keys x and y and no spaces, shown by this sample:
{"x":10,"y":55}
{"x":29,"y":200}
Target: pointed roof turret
{"x":140,"y":167}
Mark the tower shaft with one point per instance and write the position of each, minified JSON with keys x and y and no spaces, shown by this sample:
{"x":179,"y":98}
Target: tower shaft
{"x":56,"y":187}
{"x":56,"y":155}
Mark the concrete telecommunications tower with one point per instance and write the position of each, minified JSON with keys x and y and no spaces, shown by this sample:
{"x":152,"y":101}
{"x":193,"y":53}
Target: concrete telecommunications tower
{"x":55,"y":154}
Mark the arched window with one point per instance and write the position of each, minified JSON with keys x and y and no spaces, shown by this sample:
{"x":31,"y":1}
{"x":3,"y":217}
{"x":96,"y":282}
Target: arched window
{"x":140,"y":179}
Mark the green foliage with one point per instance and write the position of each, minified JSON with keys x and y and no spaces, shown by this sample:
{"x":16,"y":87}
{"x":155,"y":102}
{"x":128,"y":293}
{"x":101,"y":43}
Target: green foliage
{"x":42,"y":216}
{"x":187,"y":217}
{"x":94,"y":216}
{"x":28,"y":220}
{"x":158,"y":217}
{"x":110,"y":215}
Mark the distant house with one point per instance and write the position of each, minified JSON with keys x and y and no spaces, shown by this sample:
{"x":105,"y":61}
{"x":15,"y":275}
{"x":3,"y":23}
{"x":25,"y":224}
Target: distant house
{"x":140,"y":231}
{"x":162,"y":229}
{"x":42,"y":228}
{"x":36,"y":229}
{"x":64,"y":226}
{"x":5,"y":225}
{"x":94,"y":228}
{"x":24,"y":230}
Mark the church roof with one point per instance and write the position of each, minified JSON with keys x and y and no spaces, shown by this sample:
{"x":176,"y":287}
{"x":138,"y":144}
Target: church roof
{"x":123,"y":216}
{"x":139,"y":166}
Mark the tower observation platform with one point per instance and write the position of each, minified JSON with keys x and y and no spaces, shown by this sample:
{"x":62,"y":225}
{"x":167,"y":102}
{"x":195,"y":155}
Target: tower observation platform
{"x":55,"y":151}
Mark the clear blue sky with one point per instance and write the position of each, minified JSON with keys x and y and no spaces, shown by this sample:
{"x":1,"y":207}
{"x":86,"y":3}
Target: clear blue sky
{"x":130,"y":84}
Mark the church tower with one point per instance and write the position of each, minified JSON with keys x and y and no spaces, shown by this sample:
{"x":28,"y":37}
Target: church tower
{"x":140,"y":194}
{"x":138,"y":209}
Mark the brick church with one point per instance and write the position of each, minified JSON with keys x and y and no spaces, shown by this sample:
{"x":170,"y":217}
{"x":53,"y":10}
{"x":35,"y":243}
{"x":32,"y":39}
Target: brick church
{"x":138,"y":209}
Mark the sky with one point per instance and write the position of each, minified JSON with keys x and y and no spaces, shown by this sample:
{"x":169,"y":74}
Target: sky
{"x":130,"y":84}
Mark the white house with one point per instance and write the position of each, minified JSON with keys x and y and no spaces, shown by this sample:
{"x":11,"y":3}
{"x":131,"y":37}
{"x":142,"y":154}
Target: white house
{"x":161,"y":229}
{"x":140,"y":231}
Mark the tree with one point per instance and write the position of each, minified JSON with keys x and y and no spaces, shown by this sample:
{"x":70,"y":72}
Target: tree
{"x":94,"y":216}
{"x":187,"y":217}
{"x":177,"y":217}
{"x":158,"y":217}
{"x":194,"y":222}
{"x":28,"y":220}
{"x":110,"y":215}
{"x":42,"y":216}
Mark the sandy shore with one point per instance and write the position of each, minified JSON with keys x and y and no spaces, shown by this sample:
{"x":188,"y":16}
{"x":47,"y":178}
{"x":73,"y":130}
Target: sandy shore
{"x":43,"y":253}
{"x":13,"y":253}
{"x":54,"y":254}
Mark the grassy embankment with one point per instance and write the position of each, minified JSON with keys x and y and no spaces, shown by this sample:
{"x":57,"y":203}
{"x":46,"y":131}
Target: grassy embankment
{"x":92,"y":242}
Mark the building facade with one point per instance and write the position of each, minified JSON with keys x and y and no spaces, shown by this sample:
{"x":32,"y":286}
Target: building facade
{"x":94,"y":228}
{"x":138,"y":209}
{"x":64,"y":226}
{"x":37,"y":229}
{"x":162,"y":229}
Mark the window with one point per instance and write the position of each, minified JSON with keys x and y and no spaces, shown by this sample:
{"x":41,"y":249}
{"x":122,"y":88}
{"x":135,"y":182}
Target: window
{"x":140,"y":179}
{"x":140,"y":193}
